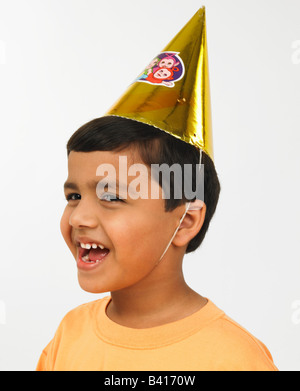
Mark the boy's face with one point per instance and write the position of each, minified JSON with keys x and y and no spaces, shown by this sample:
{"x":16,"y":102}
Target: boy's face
{"x":135,"y":231}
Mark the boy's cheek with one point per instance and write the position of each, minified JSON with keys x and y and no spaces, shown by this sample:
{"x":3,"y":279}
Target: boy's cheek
{"x":65,"y":230}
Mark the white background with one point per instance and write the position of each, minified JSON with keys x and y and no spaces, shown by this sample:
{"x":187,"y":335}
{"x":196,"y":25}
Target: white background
{"x":65,"y":62}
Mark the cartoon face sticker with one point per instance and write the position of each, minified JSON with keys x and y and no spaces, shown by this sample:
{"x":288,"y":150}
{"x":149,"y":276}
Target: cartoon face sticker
{"x":165,"y":69}
{"x":162,"y":73}
{"x":168,"y":62}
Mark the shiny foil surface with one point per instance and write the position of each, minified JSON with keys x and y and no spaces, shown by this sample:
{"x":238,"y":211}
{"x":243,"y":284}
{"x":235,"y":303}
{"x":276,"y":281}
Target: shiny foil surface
{"x":179,"y":107}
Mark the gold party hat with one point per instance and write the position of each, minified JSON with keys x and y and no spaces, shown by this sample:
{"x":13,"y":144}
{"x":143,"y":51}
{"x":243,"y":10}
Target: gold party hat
{"x":172,"y":93}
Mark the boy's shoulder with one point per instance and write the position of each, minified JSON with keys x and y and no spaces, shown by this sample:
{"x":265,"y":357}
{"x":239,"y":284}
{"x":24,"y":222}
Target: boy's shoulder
{"x":79,"y":320}
{"x":240,"y":349}
{"x":84,"y":311}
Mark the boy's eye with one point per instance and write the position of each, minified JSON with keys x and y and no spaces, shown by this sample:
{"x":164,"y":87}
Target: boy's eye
{"x":105,"y":197}
{"x":72,"y":197}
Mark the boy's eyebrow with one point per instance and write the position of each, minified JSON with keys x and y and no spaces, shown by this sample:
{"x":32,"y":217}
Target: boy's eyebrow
{"x":70,"y":185}
{"x":91,"y":184}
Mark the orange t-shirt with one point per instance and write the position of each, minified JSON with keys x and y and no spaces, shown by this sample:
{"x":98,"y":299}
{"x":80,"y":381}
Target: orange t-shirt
{"x":208,"y":340}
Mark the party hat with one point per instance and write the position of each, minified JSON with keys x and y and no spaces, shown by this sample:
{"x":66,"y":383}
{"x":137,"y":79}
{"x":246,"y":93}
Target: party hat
{"x":172,"y":93}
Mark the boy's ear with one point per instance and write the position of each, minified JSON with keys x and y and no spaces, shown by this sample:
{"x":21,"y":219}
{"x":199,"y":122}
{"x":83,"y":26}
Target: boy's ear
{"x":191,"y":224}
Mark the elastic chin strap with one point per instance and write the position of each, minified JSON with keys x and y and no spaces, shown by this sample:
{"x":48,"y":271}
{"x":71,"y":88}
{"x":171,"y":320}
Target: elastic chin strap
{"x":196,"y":207}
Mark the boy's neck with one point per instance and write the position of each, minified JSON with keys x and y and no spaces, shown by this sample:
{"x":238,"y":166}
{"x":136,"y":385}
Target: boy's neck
{"x":154,"y":307}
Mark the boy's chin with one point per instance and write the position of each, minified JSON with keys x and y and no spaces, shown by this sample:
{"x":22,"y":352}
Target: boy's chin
{"x":89,"y":287}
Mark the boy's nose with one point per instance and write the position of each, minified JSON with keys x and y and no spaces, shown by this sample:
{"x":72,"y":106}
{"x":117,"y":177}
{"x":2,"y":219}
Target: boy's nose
{"x":83,"y":216}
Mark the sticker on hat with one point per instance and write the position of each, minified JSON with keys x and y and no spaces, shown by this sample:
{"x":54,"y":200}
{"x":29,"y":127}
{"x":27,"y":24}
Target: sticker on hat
{"x":165,"y":70}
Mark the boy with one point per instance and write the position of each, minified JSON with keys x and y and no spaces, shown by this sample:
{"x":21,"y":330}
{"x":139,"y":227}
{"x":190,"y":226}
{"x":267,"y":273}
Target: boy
{"x":133,"y":247}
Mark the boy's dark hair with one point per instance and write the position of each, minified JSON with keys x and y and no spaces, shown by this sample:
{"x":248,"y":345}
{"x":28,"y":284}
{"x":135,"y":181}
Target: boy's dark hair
{"x":154,"y":146}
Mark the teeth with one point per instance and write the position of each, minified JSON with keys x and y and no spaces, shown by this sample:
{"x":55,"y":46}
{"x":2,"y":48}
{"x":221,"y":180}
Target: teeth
{"x":88,"y":246}
{"x":86,"y":259}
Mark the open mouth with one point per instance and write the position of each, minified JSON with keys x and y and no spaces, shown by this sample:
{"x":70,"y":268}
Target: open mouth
{"x":93,"y":255}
